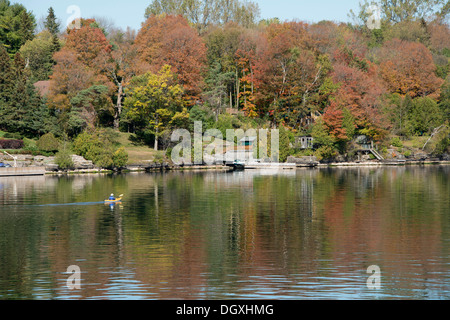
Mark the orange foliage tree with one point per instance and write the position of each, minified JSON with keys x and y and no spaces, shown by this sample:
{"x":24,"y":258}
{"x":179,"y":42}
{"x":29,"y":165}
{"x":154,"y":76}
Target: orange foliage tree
{"x":77,"y":68}
{"x":76,"y":64}
{"x":87,"y":42}
{"x":170,"y":40}
{"x":408,"y":68}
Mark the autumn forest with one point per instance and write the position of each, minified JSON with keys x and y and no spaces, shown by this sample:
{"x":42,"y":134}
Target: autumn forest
{"x":219,"y":63}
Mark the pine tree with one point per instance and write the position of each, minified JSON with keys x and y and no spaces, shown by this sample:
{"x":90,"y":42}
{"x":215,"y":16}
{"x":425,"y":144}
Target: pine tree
{"x":16,"y":26}
{"x":13,"y":117}
{"x":5,"y":76}
{"x":53,"y":26}
{"x":26,"y":28}
{"x":51,"y":23}
{"x":21,"y":109}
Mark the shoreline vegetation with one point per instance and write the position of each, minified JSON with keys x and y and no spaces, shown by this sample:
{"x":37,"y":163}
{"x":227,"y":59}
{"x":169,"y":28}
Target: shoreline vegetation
{"x":205,"y":168}
{"x":200,"y":168}
{"x":31,"y":156}
{"x":91,"y":95}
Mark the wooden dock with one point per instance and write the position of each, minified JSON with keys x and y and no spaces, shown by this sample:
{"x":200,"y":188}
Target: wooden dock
{"x":22,"y":172}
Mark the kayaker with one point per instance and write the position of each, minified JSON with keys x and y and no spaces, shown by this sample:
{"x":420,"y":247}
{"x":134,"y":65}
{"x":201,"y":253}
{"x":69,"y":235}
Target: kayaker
{"x":112,"y":198}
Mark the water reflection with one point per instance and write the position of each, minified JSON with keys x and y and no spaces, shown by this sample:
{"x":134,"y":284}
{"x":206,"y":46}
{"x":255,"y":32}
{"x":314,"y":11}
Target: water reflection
{"x":245,"y":235}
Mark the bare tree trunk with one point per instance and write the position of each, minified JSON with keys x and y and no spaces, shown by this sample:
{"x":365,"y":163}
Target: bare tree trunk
{"x":118,"y":110}
{"x":435,"y":132}
{"x":245,"y":97}
{"x":156,"y":136}
{"x":237,"y":89}
{"x":251,"y":69}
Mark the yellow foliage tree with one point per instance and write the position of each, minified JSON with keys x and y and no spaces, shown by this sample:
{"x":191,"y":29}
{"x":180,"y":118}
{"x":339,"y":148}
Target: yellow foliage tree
{"x":155,"y":100}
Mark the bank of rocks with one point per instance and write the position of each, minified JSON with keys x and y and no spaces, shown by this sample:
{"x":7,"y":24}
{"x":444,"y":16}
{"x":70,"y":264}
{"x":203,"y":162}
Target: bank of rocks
{"x":23,"y":160}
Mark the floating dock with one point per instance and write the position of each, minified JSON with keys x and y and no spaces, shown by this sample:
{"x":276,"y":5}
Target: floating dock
{"x":279,"y":166}
{"x":22,"y":172}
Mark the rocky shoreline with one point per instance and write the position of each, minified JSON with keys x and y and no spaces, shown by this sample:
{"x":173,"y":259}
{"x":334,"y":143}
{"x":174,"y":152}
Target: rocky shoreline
{"x":83,"y":166}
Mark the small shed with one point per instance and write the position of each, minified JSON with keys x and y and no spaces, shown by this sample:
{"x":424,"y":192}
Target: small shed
{"x":248,"y":141}
{"x":304,"y":142}
{"x":364,"y":142}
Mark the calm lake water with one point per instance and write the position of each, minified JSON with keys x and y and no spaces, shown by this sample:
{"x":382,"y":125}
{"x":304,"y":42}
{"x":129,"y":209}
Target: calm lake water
{"x":305,"y":234}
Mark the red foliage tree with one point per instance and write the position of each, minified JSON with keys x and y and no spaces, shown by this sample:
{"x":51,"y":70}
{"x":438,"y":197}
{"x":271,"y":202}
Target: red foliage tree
{"x":287,"y":70}
{"x":333,"y":120}
{"x":69,"y":76}
{"x":360,"y":93}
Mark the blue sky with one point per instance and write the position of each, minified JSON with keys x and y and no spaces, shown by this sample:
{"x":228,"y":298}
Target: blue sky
{"x":131,"y":13}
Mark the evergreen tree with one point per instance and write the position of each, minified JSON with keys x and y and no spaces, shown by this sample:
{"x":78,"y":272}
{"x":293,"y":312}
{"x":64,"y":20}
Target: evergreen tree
{"x":16,"y":26}
{"x":21,"y":109}
{"x":5,"y":76}
{"x":53,"y":26}
{"x":27,"y":26}
{"x":14,"y":114}
{"x":51,"y":23}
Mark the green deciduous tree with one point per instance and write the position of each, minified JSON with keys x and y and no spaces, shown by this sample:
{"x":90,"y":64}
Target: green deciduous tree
{"x":155,"y":100}
{"x":425,"y":116}
{"x":398,"y":109}
{"x":38,"y":54}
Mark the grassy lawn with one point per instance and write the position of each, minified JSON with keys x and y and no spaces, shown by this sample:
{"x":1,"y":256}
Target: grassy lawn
{"x":137,"y":154}
{"x":415,"y":142}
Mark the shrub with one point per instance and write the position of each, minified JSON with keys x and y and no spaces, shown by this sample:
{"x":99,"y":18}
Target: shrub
{"x":83,"y":143}
{"x":15,"y":135}
{"x":407,"y":153}
{"x":158,"y":158}
{"x":120,"y":157}
{"x":11,"y":144}
{"x":64,"y":159}
{"x":442,"y":147}
{"x":104,"y":160}
{"x":48,"y":143}
{"x":396,"y":142}
{"x":325,"y":153}
{"x":99,"y":147}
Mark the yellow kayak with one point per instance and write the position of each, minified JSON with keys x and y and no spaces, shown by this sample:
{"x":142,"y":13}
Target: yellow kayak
{"x":115,"y":201}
